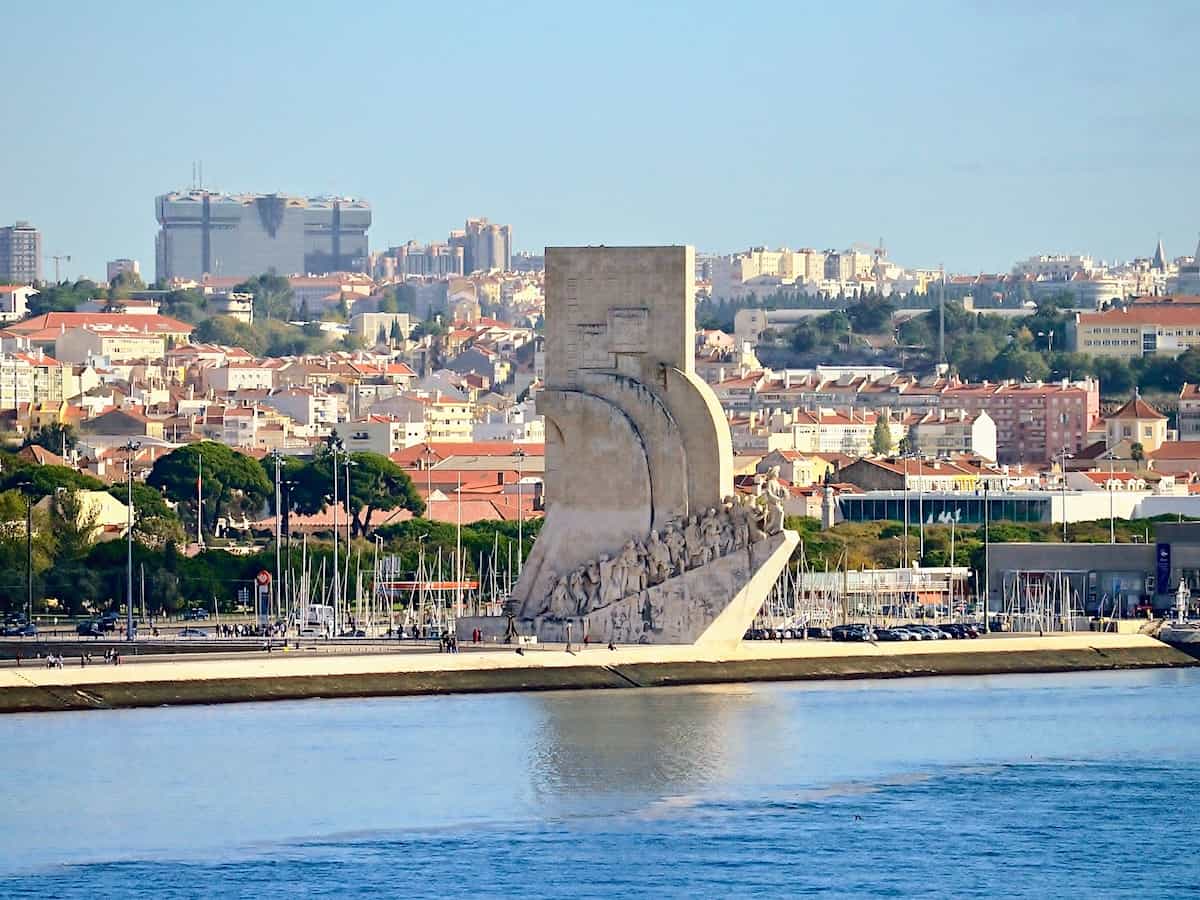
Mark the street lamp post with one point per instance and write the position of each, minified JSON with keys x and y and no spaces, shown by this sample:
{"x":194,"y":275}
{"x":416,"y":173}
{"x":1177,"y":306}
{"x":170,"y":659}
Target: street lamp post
{"x":428,"y":455}
{"x":28,"y":557}
{"x":1062,"y":472}
{"x":1112,"y":519}
{"x":904,"y":556}
{"x":278,"y":584}
{"x":520,"y":454}
{"x":130,"y":449}
{"x":987,"y":587}
{"x":287,"y":531}
{"x":334,"y":452}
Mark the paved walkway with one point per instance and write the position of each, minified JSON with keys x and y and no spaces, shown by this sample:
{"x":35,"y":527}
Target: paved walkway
{"x":298,"y":663}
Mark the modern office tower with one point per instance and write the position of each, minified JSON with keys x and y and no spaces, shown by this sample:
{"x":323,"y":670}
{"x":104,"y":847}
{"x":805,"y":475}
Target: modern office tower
{"x":242,"y":235}
{"x":485,"y":246}
{"x":20,"y":254}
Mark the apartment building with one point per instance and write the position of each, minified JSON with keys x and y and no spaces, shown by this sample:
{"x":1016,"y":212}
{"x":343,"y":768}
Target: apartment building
{"x":1188,"y":419}
{"x":1034,"y":421}
{"x":384,"y":434}
{"x":20,"y":254}
{"x":1158,"y":325}
{"x":943,"y":434}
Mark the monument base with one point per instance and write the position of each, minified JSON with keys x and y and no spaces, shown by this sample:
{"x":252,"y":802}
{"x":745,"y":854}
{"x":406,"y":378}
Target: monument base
{"x":713,"y":604}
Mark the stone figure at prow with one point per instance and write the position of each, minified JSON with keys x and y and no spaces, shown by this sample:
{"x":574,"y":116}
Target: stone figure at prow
{"x":643,"y":541}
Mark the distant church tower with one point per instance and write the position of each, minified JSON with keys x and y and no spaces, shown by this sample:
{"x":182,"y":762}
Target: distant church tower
{"x":1160,"y":258}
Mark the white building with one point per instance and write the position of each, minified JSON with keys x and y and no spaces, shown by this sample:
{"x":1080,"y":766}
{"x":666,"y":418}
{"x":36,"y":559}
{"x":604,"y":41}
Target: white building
{"x":383,"y":434}
{"x":238,"y":376}
{"x":14,"y":301}
{"x":941,"y":434}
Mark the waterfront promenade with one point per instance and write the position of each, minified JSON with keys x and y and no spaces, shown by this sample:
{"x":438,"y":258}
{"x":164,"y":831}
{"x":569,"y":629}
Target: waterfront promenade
{"x":297,"y":674}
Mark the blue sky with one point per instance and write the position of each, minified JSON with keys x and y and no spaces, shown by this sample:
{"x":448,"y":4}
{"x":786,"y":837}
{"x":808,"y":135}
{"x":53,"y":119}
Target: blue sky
{"x":964,"y":134}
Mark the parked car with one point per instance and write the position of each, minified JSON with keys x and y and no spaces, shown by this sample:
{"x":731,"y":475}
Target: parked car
{"x":195,"y":615}
{"x":193,"y":632}
{"x":855,"y":632}
{"x":27,"y":630}
{"x":89,"y":629}
{"x":108,"y":621}
{"x":890,"y":634}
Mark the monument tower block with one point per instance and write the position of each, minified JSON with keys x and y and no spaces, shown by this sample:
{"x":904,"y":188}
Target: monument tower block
{"x":643,"y":540}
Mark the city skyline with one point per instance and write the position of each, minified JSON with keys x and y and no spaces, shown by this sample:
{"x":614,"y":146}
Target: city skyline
{"x":831,"y":127}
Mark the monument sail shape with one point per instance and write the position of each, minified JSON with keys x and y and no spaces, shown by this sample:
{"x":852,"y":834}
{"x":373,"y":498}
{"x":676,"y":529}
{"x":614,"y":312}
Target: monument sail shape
{"x":643,"y":541}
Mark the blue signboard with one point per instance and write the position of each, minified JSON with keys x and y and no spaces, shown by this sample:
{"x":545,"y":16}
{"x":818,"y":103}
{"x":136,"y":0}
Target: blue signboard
{"x":1162,"y":558}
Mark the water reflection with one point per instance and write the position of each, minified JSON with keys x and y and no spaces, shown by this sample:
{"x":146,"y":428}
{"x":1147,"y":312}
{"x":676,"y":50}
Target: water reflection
{"x":637,"y":742}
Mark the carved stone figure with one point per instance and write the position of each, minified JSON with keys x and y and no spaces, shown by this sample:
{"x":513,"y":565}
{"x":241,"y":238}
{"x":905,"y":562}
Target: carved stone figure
{"x":591,"y":583}
{"x":561,"y":605}
{"x":578,"y":591}
{"x":694,"y":539}
{"x":633,"y":574}
{"x":773,"y":515}
{"x":710,"y":530}
{"x":612,"y":580}
{"x":741,"y":515}
{"x":677,"y":548}
{"x":752,"y":520}
{"x":727,"y":525}
{"x":658,"y":558}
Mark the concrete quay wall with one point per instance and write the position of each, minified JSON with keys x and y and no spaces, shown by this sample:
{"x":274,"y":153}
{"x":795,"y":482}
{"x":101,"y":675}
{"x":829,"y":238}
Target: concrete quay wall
{"x":294,"y":676}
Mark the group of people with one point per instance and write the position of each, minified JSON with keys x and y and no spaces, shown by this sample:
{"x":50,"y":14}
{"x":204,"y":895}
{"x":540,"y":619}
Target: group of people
{"x":448,"y":643}
{"x":682,"y":546}
{"x":279,"y":629}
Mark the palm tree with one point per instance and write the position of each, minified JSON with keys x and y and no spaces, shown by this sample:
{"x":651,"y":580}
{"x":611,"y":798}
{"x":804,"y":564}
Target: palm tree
{"x":1137,"y":453}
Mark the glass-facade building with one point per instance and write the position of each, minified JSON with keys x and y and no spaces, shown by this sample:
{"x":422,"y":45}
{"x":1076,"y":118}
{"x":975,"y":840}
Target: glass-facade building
{"x":242,"y":235}
{"x":943,"y":508}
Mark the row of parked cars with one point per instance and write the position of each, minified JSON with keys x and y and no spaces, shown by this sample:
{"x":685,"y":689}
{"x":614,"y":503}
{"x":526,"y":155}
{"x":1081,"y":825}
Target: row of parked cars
{"x":97,"y":627}
{"x":944,"y":632}
{"x":16,"y":625}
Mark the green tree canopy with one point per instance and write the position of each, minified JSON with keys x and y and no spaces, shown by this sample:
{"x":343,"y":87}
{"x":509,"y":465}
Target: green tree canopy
{"x":272,"y":296}
{"x":234,"y":484}
{"x":881,"y":438}
{"x":54,"y":437}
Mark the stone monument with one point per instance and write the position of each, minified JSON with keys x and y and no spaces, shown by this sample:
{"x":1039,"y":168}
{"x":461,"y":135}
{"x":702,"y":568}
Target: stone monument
{"x":643,"y":541}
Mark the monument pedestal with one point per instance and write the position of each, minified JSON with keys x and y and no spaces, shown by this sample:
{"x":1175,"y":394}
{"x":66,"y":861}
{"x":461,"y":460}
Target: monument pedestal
{"x":712,"y":604}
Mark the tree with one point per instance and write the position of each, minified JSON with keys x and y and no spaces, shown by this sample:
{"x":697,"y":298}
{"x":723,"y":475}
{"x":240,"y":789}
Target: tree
{"x":41,"y":481}
{"x":272,"y":296}
{"x":125,"y":282}
{"x":881,"y":439}
{"x":377,"y":483}
{"x":74,"y":525}
{"x":871,"y":315}
{"x":234,"y":484}
{"x":155,"y":524}
{"x":54,"y":437}
{"x":229,"y":332}
{"x":1137,"y":453}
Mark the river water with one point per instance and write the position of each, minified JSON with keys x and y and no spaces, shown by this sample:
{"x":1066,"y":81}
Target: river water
{"x":1080,"y":785}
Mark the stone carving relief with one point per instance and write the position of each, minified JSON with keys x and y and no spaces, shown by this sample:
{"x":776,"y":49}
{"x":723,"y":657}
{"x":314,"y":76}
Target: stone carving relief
{"x":683,"y":546}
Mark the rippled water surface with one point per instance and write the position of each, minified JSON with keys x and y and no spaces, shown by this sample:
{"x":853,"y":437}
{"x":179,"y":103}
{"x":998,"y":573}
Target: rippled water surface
{"x":1080,"y":785}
